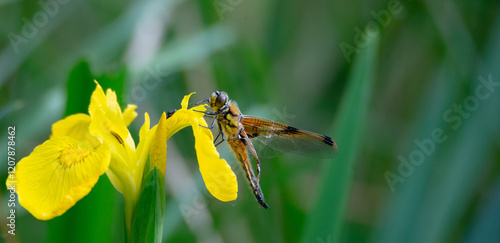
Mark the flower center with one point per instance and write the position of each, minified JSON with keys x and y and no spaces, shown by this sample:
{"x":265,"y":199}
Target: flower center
{"x":71,"y":156}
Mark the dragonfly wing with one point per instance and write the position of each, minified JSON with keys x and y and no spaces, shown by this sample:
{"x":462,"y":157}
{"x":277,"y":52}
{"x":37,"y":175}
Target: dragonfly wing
{"x":263,"y":150}
{"x":288,"y":139}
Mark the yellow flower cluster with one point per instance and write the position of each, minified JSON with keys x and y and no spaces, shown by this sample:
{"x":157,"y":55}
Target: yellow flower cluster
{"x":62,"y":170}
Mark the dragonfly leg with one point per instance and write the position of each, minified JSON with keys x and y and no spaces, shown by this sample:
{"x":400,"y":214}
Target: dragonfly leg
{"x":248,"y":143}
{"x":215,"y":140}
{"x":207,"y":113}
{"x":210,"y":127}
{"x":199,"y":102}
{"x":257,"y":162}
{"x":220,"y":132}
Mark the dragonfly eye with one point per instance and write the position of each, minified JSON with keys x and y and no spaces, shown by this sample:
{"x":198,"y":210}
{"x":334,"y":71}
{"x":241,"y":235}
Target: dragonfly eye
{"x":213,"y":98}
{"x":218,"y":100}
{"x":222,"y":99}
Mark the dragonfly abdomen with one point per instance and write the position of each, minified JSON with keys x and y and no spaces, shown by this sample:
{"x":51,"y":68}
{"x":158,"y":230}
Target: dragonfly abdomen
{"x":239,"y":148}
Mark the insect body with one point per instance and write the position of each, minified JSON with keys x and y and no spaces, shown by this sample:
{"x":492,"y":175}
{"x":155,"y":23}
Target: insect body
{"x":239,"y":131}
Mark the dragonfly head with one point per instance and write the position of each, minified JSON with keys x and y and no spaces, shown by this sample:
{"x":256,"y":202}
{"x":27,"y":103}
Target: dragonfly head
{"x":218,"y":100}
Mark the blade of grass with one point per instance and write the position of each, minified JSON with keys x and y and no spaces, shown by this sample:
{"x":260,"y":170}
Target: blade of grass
{"x":113,"y":37}
{"x":430,"y":203}
{"x":11,"y":57}
{"x":403,"y":205}
{"x":457,"y":38}
{"x":428,"y":207}
{"x":452,"y":187}
{"x":325,"y":222}
{"x":195,"y":49}
{"x":467,"y":158}
{"x":485,"y":227}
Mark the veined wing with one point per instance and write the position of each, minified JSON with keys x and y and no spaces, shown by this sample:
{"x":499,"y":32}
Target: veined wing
{"x":288,"y":139}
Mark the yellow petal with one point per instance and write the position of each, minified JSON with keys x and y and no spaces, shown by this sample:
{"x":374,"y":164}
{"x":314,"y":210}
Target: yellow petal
{"x":57,"y":174}
{"x":183,"y":117}
{"x":159,"y":145}
{"x":112,"y":101}
{"x":142,"y":152}
{"x":185,"y":101}
{"x":75,"y":126}
{"x":129,"y":114}
{"x":109,"y":125}
{"x":107,"y":122}
{"x":219,"y":179}
{"x":145,"y":127}
{"x":121,"y":173}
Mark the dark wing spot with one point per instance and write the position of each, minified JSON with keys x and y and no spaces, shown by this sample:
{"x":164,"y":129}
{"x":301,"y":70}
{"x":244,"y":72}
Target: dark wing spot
{"x":328,"y":140}
{"x":291,"y":130}
{"x":252,"y":135}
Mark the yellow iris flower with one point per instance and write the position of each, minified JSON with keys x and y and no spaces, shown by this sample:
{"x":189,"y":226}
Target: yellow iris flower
{"x":82,"y":147}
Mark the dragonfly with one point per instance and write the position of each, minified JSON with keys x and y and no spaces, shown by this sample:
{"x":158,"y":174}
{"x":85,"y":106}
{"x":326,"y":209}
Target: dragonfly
{"x":241,"y":132}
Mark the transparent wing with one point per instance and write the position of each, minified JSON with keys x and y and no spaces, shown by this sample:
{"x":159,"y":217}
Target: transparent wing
{"x":264,"y":151}
{"x":286,"y":139}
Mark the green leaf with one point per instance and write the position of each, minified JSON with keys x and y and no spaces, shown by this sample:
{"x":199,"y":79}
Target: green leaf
{"x":324,"y":224}
{"x":80,"y":86}
{"x":115,"y":80}
{"x":147,"y":225}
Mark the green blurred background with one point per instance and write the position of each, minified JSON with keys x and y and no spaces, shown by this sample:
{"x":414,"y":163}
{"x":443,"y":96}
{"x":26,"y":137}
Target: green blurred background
{"x":408,"y":89}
